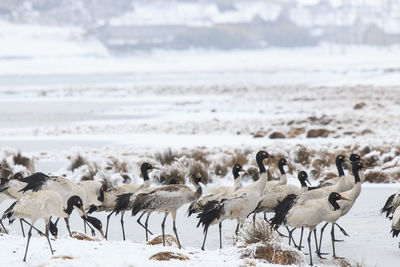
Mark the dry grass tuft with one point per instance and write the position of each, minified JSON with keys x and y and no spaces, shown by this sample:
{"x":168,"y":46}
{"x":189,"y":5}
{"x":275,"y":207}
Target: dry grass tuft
{"x":77,"y":162}
{"x":167,"y":157}
{"x":253,"y":172}
{"x":19,"y":159}
{"x":263,"y":243}
{"x":167,"y":255}
{"x":239,"y":157}
{"x":117,"y":165}
{"x":199,"y":167}
{"x":169,"y":241}
{"x":220,"y":169}
{"x":261,"y":233}
{"x":92,"y":171}
{"x":172,"y":175}
{"x":198,"y":155}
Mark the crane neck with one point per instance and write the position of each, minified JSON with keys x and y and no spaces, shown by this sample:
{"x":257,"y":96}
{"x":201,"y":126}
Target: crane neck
{"x":334,"y":204}
{"x":69,"y":209}
{"x":261,"y":166}
{"x":198,"y":192}
{"x":339,"y":167}
{"x":237,"y":184}
{"x":281,"y":169}
{"x":356,"y":175}
{"x":145,"y":175}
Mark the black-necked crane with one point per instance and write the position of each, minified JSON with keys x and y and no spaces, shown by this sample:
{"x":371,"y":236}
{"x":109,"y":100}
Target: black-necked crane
{"x":345,"y":206}
{"x":111,"y":203}
{"x":42,"y":205}
{"x":240,"y":205}
{"x":308,"y":214}
{"x":275,"y":194}
{"x":95,"y":192}
{"x":346,"y":180}
{"x":344,"y":183}
{"x":271,"y":184}
{"x":168,"y":199}
{"x":11,"y":188}
{"x":216,"y":195}
{"x":66,"y":188}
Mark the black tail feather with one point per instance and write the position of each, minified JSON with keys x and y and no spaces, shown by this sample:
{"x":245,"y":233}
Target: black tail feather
{"x":122,"y":203}
{"x":192,"y":208}
{"x":9,"y":212}
{"x":282,"y":209}
{"x":38,"y":176}
{"x":388,"y":206}
{"x":211,"y":211}
{"x":138,"y":204}
{"x":394,"y":232}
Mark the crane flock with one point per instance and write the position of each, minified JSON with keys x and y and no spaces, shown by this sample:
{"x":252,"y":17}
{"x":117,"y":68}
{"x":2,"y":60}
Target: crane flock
{"x":40,"y":196}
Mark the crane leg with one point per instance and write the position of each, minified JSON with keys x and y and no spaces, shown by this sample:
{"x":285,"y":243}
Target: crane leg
{"x":85,"y":222}
{"x":48,"y":239}
{"x":291,"y":236}
{"x":220,"y":235}
{"x":320,"y":237}
{"x":27,"y":242}
{"x":301,"y":238}
{"x":254,"y":220}
{"x":84,"y":226}
{"x":266,"y":219}
{"x":108,"y":221}
{"x":174,"y":228}
{"x":309,"y":247}
{"x":342,"y":230}
{"x":319,"y":253}
{"x":66,"y":219}
{"x":333,"y":242}
{"x":22,"y":220}
{"x":205,"y":236}
{"x":22,"y":228}
{"x":163,"y":228}
{"x":141,"y":224}
{"x":146,"y":223}
{"x":122,"y":224}
{"x":2,"y":225}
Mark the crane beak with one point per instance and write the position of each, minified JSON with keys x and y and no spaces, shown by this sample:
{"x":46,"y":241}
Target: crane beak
{"x":156,"y":168}
{"x":243,"y":170}
{"x":83,"y":212}
{"x":101,"y":232}
{"x":308,"y":181}
{"x":345,"y":198}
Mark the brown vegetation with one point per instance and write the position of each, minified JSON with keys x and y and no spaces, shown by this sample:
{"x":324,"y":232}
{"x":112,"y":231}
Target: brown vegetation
{"x":168,"y":255}
{"x":172,"y":175}
{"x":82,"y":236}
{"x":261,"y":242}
{"x":169,"y":240}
